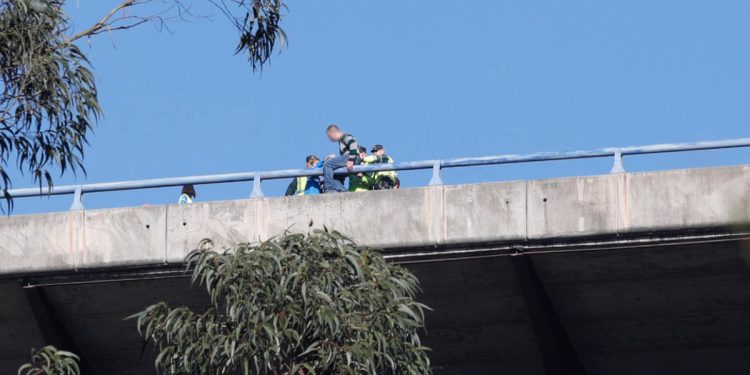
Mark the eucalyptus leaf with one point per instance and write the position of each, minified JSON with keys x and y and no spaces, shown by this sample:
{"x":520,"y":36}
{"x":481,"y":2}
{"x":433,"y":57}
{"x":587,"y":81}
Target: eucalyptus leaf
{"x":51,"y":361}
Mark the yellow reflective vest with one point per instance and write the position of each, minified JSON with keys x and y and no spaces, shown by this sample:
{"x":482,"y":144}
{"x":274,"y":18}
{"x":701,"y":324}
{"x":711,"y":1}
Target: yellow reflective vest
{"x":377,"y":176}
{"x":301,"y":185}
{"x":359,"y":183}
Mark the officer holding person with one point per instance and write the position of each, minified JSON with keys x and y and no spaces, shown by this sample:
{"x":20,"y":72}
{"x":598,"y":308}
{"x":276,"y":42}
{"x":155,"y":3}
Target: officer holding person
{"x":350,"y":154}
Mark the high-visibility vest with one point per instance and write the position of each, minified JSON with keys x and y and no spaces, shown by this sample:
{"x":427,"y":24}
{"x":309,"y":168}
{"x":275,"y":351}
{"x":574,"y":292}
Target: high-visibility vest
{"x":377,"y":176}
{"x":357,"y":183}
{"x":184,"y":199}
{"x":364,"y":182}
{"x":301,"y":185}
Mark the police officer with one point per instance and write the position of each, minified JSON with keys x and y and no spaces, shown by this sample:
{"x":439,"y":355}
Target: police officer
{"x":382,"y":180}
{"x":360,"y":181}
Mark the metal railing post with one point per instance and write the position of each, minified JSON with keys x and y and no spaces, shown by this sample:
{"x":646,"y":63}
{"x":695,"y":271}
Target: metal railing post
{"x":617,"y":165}
{"x":436,"y":179}
{"x":257,"y":190}
{"x":77,"y":204}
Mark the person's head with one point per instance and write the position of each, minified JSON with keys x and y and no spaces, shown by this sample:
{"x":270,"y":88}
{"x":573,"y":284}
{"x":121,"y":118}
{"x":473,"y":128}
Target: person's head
{"x":362,"y":151}
{"x":311,"y":161}
{"x":189,"y":190}
{"x":378,"y":150}
{"x":333,"y":132}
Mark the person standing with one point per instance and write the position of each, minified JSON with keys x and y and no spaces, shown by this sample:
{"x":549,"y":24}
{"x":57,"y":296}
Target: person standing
{"x":187,"y":195}
{"x":348,"y":153}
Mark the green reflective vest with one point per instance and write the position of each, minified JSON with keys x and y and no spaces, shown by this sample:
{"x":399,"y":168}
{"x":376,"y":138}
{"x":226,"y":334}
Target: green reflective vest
{"x":377,"y":176}
{"x":359,"y":183}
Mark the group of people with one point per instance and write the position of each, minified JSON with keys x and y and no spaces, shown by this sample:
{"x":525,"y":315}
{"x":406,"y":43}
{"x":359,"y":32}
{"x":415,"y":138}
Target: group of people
{"x":351,"y":153}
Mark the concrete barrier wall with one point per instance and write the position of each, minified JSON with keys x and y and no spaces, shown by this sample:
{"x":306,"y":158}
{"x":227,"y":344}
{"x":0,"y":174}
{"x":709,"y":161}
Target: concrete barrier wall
{"x":422,"y":217}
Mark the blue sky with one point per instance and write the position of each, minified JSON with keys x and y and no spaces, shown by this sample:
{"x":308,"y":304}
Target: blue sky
{"x":428,"y":79}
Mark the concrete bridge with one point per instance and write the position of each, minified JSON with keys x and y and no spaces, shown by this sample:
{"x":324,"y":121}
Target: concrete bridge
{"x":627,"y":273}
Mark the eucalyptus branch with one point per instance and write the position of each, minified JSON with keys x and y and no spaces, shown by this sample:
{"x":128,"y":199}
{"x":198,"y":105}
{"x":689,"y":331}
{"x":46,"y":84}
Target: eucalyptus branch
{"x":116,"y":19}
{"x":48,"y":95}
{"x":104,"y":22}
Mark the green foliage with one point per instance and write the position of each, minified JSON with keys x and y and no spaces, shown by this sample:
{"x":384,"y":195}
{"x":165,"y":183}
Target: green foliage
{"x":315,"y":304}
{"x":50,"y":361}
{"x":48,"y":98}
{"x":258,"y":23}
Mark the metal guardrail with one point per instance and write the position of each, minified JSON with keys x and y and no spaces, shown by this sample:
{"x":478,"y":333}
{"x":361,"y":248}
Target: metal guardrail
{"x":436,"y":165}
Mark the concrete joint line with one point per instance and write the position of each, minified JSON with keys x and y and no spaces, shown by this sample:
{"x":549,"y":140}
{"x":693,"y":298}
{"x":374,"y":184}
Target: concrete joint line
{"x":526,"y":210}
{"x":166,"y":233}
{"x":78,"y":220}
{"x":443,"y":221}
{"x":618,"y":209}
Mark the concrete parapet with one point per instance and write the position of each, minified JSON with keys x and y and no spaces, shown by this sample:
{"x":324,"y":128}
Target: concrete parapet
{"x":434,"y":216}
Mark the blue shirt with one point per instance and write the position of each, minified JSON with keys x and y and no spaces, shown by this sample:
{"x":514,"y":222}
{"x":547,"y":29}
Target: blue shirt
{"x":313,"y":182}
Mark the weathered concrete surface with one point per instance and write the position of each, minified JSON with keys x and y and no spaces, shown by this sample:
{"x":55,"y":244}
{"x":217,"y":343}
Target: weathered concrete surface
{"x":441,"y":216}
{"x":629,"y":306}
{"x":40,"y":242}
{"x":142,"y":233}
{"x":686,"y":198}
{"x":225,"y":222}
{"x":573,"y":207}
{"x":483,"y":213}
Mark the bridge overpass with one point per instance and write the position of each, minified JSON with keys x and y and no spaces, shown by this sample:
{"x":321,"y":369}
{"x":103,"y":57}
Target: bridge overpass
{"x":626,"y":273}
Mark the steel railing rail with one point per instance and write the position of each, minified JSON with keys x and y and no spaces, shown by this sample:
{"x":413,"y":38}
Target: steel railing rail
{"x":436,"y":165}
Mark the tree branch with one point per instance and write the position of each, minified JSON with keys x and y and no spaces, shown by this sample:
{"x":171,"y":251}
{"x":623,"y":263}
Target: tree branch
{"x":111,"y":21}
{"x":103,"y":23}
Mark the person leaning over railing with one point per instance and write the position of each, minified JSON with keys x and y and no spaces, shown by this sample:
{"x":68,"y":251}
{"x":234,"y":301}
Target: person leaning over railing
{"x":348,"y":152}
{"x":306,"y":185}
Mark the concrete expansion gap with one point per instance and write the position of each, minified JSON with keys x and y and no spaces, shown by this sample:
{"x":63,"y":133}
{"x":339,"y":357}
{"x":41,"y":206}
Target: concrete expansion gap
{"x":74,"y":239}
{"x":166,"y":233}
{"x":618,"y":193}
{"x":79,"y":241}
{"x":256,"y":218}
{"x":444,"y":218}
{"x":526,"y":210}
